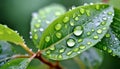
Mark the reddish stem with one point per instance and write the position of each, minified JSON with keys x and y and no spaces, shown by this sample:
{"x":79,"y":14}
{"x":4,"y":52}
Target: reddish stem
{"x":51,"y":65}
{"x":105,"y":1}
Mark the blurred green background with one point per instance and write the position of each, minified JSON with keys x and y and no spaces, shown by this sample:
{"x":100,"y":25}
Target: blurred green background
{"x":16,"y":14}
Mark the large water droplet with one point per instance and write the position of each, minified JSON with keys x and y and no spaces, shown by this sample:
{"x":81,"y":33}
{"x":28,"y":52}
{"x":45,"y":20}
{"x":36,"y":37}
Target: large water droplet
{"x":82,"y":11}
{"x":78,"y":30}
{"x":47,"y":38}
{"x":82,"y":47}
{"x":69,"y":53}
{"x":58,"y":27}
{"x":66,"y":19}
{"x":58,"y":35}
{"x":70,"y":42}
{"x":99,"y":31}
{"x":96,"y":37}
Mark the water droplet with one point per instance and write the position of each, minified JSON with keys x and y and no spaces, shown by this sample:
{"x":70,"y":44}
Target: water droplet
{"x":82,"y":11}
{"x":37,"y":25}
{"x":91,"y":3}
{"x":78,"y":30}
{"x":48,"y":22}
{"x":30,"y":37}
{"x":39,"y":21}
{"x":59,"y":56}
{"x":80,"y":40}
{"x":52,"y":48}
{"x":99,"y":31}
{"x":48,"y":51}
{"x":35,"y":30}
{"x":104,"y":48}
{"x":89,"y":43}
{"x":88,"y":12}
{"x":109,"y":51}
{"x":47,"y":38}
{"x":76,"y":18}
{"x":69,"y":53}
{"x":88,"y":33}
{"x":62,"y":50}
{"x":96,"y":37}
{"x":85,"y":4}
{"x":36,"y":36}
{"x":66,"y":26}
{"x":82,"y":47}
{"x":73,"y":7}
{"x":71,"y":23}
{"x":58,"y":35}
{"x":41,"y":29}
{"x":110,"y":13}
{"x":97,"y":7}
{"x":66,"y":19}
{"x":58,"y":27}
{"x":104,"y":18}
{"x":104,"y":28}
{"x":103,"y":23}
{"x":92,"y":30}
{"x":70,"y":42}
{"x":107,"y":35}
{"x":76,"y":49}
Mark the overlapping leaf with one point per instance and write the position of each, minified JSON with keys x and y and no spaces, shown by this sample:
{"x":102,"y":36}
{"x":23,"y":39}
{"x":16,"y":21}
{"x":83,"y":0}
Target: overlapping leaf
{"x":76,"y":31}
{"x":42,"y":19}
{"x":111,"y":42}
{"x":7,"y":34}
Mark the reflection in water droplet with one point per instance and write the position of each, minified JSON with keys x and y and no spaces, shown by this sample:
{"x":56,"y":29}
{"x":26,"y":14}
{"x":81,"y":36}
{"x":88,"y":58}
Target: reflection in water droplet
{"x":58,"y":27}
{"x":107,"y":35}
{"x":82,"y":47}
{"x":82,"y":11}
{"x":104,"y":18}
{"x":69,"y":53}
{"x":96,"y":37}
{"x":70,"y":42}
{"x":41,"y":29}
{"x":47,"y":38}
{"x":78,"y":30}
{"x":66,"y":19}
{"x":99,"y":31}
{"x":58,"y":35}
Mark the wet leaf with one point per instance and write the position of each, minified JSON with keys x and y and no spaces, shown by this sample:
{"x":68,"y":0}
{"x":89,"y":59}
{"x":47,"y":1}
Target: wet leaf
{"x":42,"y":19}
{"x":76,"y":31}
{"x":17,"y":64}
{"x":8,"y":34}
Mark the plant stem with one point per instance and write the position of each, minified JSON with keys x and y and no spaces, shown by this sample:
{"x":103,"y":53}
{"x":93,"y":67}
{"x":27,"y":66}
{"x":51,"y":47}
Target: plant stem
{"x":27,"y":49}
{"x":20,"y":56}
{"x":51,"y":65}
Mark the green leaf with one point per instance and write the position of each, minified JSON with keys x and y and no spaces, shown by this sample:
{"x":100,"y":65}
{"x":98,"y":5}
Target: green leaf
{"x":111,"y":42}
{"x":42,"y":19}
{"x":76,"y":31}
{"x":7,"y":34}
{"x":17,"y":64}
{"x":5,"y":52}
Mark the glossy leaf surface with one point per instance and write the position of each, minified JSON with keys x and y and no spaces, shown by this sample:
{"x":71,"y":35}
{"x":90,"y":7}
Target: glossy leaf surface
{"x":42,"y":19}
{"x":76,"y":31}
{"x":8,"y":34}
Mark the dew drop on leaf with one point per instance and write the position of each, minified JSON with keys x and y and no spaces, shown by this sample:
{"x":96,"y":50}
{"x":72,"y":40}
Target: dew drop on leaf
{"x":71,"y":42}
{"x":41,"y":29}
{"x":104,"y":18}
{"x":47,"y":38}
{"x":78,"y":30}
{"x":109,"y":51}
{"x":104,"y":48}
{"x":80,"y":40}
{"x":76,"y":49}
{"x":99,"y":31}
{"x":95,"y":37}
{"x":89,"y":43}
{"x":82,"y":11}
{"x":58,"y":27}
{"x":52,"y":48}
{"x":69,"y":53}
{"x":82,"y":47}
{"x":58,"y":35}
{"x":97,"y":7}
{"x":62,"y":50}
{"x":48,"y":51}
{"x":71,"y":23}
{"x":36,"y":36}
{"x":88,"y":33}
{"x":107,"y":35}
{"x":60,"y":56}
{"x":66,"y":19}
{"x":37,"y":25}
{"x":76,"y":18}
